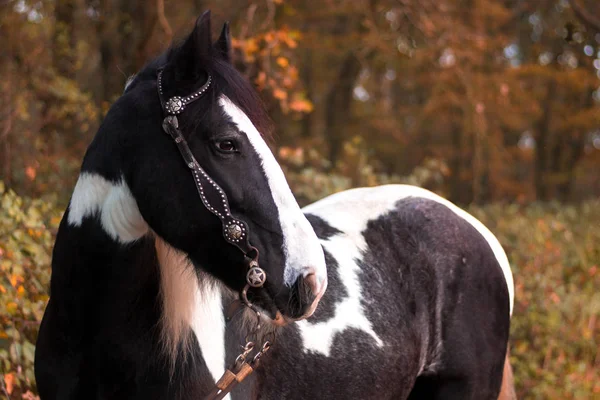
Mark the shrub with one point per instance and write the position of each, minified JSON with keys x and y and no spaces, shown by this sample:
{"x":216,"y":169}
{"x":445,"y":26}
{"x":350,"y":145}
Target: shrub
{"x":553,"y":248}
{"x":27,"y":230}
{"x":554,"y":251}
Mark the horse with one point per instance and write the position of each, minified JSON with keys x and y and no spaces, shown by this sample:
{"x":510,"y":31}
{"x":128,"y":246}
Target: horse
{"x":389,"y":292}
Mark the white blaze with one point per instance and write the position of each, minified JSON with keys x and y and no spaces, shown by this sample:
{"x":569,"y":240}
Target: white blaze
{"x":300,"y":243}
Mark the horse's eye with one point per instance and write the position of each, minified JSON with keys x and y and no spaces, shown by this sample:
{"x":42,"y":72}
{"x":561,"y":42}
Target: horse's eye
{"x":226,"y":146}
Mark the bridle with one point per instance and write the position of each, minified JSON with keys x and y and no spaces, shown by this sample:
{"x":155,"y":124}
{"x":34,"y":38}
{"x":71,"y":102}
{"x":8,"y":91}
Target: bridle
{"x":235,"y":231}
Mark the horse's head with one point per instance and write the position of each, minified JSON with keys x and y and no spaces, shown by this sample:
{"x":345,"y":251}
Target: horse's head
{"x":224,"y":128}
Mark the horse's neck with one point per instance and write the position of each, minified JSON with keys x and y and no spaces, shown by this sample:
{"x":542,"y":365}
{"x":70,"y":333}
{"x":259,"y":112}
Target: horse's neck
{"x":146,"y":284}
{"x":91,"y":272}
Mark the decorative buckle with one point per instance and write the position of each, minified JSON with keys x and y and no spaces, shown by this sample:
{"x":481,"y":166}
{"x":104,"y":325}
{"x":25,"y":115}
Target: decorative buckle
{"x":234,"y":231}
{"x":256,"y":277}
{"x":170,"y":120}
{"x":175,"y":105}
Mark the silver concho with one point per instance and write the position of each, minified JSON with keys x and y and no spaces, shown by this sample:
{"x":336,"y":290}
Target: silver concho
{"x":234,"y":231}
{"x":175,"y":105}
{"x":256,"y":277}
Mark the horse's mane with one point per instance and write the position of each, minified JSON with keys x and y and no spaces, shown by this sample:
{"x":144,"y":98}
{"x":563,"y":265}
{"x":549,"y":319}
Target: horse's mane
{"x":234,"y":85}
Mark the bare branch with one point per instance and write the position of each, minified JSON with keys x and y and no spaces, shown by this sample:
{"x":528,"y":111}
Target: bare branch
{"x":588,"y":18}
{"x":162,"y":19}
{"x":248,"y":22}
{"x":270,"y":15}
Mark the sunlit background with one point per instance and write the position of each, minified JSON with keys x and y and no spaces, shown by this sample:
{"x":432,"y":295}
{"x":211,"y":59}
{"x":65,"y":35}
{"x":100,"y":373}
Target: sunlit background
{"x":494,"y":104}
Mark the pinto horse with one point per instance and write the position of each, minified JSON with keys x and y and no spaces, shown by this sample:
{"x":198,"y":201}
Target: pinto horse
{"x":376,"y":293}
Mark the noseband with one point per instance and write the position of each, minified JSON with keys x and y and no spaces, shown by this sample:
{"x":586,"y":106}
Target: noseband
{"x":235,"y":231}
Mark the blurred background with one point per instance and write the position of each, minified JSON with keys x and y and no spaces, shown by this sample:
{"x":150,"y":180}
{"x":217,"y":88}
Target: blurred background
{"x":494,"y":104}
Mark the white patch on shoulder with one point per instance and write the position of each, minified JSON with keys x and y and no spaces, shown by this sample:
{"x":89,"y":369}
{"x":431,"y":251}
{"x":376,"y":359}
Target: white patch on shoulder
{"x":119,"y":213}
{"x":356,"y":205}
{"x":301,"y":245}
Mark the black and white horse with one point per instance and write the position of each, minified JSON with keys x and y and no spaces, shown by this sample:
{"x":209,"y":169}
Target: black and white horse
{"x":418,"y":293}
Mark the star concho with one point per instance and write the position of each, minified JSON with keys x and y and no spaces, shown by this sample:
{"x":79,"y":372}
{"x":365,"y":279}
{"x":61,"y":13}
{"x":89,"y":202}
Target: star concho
{"x":234,"y":231}
{"x":175,"y":105}
{"x":256,"y":277}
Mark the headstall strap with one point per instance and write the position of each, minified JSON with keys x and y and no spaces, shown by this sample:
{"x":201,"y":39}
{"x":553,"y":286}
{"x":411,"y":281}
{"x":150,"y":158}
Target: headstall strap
{"x":234,"y":230}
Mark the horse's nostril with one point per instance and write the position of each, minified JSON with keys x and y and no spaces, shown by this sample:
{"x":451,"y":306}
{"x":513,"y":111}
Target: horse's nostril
{"x":304,"y":295}
{"x":312,"y":283}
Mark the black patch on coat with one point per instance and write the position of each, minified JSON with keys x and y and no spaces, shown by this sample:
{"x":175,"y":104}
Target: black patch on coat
{"x":323,"y":230}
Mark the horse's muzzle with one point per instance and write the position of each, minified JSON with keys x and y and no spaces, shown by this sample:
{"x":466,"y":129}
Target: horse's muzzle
{"x":303,"y":297}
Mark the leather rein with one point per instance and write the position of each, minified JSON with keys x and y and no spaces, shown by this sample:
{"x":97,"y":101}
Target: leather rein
{"x":235,"y":232}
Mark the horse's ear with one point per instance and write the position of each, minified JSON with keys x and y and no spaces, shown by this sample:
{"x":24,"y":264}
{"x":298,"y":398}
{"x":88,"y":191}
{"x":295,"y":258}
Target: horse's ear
{"x":201,"y":36}
{"x":196,"y":47}
{"x":223,"y":43}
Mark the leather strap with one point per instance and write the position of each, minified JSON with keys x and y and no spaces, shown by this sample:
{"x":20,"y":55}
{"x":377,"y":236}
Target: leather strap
{"x":229,"y":381}
{"x":241,"y":369}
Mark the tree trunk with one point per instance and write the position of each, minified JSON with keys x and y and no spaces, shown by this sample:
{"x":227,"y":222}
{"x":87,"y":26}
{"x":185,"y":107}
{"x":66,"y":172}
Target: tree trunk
{"x":589,"y":19}
{"x":338,"y":105}
{"x":569,"y":152}
{"x":127,"y":41}
{"x":5,"y":135}
{"x":107,"y":30}
{"x":456,"y":190}
{"x":64,"y":42}
{"x":542,"y":141}
{"x":307,"y":78}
